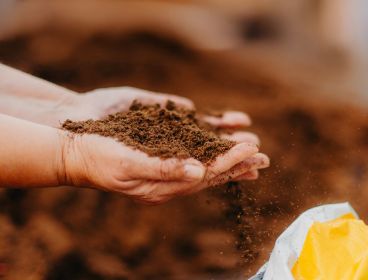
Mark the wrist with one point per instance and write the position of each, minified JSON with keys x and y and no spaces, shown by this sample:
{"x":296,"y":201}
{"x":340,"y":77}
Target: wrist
{"x":71,"y":169}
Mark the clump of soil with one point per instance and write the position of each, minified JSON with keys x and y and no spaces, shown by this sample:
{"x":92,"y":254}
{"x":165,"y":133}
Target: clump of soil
{"x":165,"y":132}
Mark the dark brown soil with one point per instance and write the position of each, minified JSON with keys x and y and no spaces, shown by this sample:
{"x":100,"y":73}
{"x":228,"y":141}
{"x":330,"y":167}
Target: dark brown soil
{"x":164,"y":132}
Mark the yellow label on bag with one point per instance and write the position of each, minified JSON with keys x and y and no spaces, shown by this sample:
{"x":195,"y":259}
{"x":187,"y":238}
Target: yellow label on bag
{"x":334,"y":250}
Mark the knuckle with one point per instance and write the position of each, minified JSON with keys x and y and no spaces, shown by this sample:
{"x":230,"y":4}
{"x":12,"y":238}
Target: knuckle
{"x":170,"y":168}
{"x":163,"y":170}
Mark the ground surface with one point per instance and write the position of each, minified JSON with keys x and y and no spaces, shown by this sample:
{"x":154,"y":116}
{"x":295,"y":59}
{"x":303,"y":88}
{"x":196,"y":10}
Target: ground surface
{"x":317,"y":147}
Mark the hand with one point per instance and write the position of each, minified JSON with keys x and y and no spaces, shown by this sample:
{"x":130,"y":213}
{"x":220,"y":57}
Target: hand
{"x":103,"y":163}
{"x":99,"y":103}
{"x":92,"y":105}
{"x":102,"y":102}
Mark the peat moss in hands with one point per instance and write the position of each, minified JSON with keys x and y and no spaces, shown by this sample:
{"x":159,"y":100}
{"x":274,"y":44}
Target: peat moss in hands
{"x":164,"y":132}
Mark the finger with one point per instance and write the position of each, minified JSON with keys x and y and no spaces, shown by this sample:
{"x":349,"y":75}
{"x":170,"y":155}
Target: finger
{"x":235,"y":155}
{"x":245,"y":170}
{"x":228,"y":176}
{"x":229,"y":119}
{"x":158,"y":192}
{"x":257,"y":161}
{"x":250,"y":175}
{"x":241,"y":136}
{"x":154,"y":168}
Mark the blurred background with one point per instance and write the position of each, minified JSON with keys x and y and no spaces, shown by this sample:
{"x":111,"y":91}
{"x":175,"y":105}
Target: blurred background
{"x":298,"y":67}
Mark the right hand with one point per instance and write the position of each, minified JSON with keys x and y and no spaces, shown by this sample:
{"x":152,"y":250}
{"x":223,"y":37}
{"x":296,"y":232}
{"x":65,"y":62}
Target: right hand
{"x":103,"y":163}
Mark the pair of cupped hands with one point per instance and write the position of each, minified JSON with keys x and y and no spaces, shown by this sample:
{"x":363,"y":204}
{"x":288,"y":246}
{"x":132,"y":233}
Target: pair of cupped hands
{"x":103,"y":163}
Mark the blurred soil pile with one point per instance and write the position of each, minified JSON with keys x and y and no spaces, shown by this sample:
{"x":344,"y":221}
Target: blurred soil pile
{"x":317,"y":148}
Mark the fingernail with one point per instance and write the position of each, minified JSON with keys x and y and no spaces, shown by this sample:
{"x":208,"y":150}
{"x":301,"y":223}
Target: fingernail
{"x":193,"y":171}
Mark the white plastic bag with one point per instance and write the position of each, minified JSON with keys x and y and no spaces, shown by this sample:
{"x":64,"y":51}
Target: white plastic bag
{"x":290,"y":243}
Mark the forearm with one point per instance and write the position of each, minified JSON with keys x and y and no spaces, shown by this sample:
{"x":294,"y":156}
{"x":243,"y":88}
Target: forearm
{"x":20,"y":84}
{"x":27,"y":97}
{"x":39,"y":111}
{"x":30,"y":154}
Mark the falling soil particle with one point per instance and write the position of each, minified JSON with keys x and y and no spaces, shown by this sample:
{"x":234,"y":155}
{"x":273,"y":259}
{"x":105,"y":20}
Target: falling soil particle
{"x":164,"y":132}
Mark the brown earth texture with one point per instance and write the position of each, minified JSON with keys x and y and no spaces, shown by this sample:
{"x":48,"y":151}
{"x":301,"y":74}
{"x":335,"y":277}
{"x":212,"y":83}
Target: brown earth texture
{"x":164,"y":132}
{"x":318,"y":150}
